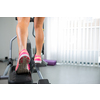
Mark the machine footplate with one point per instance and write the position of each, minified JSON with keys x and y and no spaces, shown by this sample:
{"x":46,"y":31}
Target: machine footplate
{"x":15,"y":78}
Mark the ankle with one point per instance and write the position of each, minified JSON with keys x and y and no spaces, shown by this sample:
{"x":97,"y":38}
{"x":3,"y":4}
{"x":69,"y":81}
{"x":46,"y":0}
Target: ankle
{"x":38,"y":54}
{"x":21,"y":49}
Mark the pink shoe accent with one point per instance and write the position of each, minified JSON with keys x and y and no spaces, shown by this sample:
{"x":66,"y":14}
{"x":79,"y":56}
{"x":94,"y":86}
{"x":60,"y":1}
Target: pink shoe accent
{"x":23,"y":52}
{"x":28,"y":66}
{"x":37,"y":59}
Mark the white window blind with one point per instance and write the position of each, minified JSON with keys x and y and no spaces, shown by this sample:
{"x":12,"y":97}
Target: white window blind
{"x":72,"y":40}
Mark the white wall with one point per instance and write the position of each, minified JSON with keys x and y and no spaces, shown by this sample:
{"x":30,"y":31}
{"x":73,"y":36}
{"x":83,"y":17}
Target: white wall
{"x":7,"y":31}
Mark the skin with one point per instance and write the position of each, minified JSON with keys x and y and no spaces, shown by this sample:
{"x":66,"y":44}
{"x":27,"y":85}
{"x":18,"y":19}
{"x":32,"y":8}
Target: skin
{"x":22,"y":33}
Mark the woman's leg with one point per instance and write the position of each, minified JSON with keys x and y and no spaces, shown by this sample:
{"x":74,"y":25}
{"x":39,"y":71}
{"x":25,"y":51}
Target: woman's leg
{"x":22,"y":34}
{"x":38,"y":25}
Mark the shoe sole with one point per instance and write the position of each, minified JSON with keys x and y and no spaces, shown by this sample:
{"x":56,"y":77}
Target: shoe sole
{"x":23,"y":63}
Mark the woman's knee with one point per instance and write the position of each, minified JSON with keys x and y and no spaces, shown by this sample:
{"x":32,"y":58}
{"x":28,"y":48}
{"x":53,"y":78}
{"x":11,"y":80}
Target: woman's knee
{"x":37,"y":26}
{"x":23,"y":20}
{"x":38,"y":22}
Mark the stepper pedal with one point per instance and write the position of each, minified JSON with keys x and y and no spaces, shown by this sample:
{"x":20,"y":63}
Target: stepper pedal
{"x":15,"y":78}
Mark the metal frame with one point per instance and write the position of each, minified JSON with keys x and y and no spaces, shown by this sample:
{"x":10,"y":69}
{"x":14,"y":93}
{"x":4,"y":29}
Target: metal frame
{"x":4,"y":76}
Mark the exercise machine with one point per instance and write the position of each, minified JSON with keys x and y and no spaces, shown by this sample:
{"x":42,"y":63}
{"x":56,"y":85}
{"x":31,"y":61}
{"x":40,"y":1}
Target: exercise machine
{"x":26,"y":78}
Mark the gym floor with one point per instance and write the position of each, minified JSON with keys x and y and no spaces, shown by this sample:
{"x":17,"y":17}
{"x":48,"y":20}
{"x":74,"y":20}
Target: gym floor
{"x":64,"y":74}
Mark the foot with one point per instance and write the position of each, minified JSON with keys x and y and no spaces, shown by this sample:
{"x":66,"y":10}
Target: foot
{"x":37,"y":59}
{"x":23,"y":62}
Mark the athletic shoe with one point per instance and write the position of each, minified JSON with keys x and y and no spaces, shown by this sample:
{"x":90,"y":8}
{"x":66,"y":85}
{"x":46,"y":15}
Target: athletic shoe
{"x":37,"y":59}
{"x":23,"y":62}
